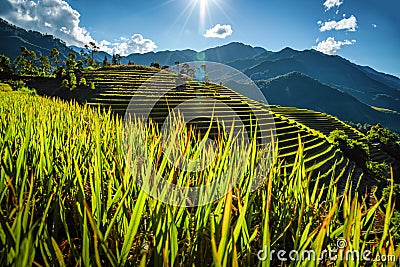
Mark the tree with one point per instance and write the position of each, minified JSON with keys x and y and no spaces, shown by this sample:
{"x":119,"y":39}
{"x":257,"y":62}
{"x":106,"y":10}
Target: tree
{"x":45,"y":65}
{"x":118,"y":56}
{"x":386,"y":139}
{"x":79,"y":64}
{"x":105,"y":61}
{"x":5,"y":67}
{"x":59,"y":72}
{"x":88,"y":60}
{"x":155,"y":65}
{"x":26,"y":62}
{"x":71,"y":63}
{"x":355,"y":150}
{"x":93,"y":48}
{"x":54,"y":55}
{"x":381,"y":135}
{"x":69,"y":74}
{"x":114,"y":60}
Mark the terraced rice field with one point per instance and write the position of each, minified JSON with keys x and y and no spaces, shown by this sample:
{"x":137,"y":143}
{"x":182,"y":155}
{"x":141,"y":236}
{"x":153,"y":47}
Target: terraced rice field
{"x":71,"y":197}
{"x":325,"y":124}
{"x":115,"y":88}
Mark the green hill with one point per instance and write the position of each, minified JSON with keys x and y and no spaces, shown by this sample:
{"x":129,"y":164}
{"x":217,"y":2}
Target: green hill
{"x":12,"y":38}
{"x":298,"y":90}
{"x":366,"y":84}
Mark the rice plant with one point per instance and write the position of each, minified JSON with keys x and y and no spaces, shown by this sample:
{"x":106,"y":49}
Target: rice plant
{"x":70,"y":197}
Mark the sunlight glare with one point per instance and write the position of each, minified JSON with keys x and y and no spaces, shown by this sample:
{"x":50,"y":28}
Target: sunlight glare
{"x":203,"y":8}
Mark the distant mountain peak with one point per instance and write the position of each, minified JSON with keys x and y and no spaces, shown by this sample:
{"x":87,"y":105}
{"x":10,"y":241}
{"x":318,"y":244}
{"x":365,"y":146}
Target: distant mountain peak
{"x":288,"y":49}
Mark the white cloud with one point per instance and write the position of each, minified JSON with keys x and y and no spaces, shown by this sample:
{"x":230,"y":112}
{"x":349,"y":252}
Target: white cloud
{"x":136,"y":44}
{"x":374,"y":25}
{"x":349,"y":24}
{"x":219,"y":31}
{"x":330,"y":46}
{"x":54,"y":17}
{"x":332,"y":3}
{"x":58,"y":18}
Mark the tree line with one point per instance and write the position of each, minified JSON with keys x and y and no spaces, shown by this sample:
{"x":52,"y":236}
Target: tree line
{"x":68,"y":70}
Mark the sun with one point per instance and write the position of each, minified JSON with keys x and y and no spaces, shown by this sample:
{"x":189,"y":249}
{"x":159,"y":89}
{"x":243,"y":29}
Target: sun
{"x":202,"y":8}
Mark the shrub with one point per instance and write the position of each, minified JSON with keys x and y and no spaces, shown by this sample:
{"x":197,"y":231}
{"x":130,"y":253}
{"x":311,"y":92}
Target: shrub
{"x":4,"y":87}
{"x":59,"y":72}
{"x":5,"y":65}
{"x":29,"y":91}
{"x":382,"y":135}
{"x":379,"y":170}
{"x":387,"y":139}
{"x":155,"y":65}
{"x":91,"y":68}
{"x":65,"y":83}
{"x":72,"y":81}
{"x":82,"y":81}
{"x":353,"y":149}
{"x":17,"y":85}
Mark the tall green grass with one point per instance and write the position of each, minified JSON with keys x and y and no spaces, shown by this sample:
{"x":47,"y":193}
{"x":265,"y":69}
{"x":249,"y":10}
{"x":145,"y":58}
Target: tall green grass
{"x":69,"y":197}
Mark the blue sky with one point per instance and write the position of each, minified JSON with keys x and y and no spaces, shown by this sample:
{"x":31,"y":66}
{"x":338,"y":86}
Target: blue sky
{"x":366,"y":32}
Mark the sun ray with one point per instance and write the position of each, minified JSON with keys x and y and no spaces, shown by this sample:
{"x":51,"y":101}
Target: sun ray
{"x":202,"y":15}
{"x":188,"y":10}
{"x":222,"y":10}
{"x":166,"y":3}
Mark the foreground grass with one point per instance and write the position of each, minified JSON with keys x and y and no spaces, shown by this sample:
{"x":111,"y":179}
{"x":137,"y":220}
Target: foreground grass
{"x":68,"y":197}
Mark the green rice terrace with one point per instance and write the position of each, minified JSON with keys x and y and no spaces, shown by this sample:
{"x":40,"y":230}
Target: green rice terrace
{"x":69,"y":196}
{"x":116,"y":88}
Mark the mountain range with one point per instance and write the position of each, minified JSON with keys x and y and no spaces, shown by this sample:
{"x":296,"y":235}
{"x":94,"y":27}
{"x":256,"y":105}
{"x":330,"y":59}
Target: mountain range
{"x":306,"y":79}
{"x":12,"y":38}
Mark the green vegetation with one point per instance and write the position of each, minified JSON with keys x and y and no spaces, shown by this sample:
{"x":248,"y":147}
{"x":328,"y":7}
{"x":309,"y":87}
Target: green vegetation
{"x":4,"y":87}
{"x":116,"y":85}
{"x":69,"y":197}
{"x":379,"y":172}
{"x":64,"y":76}
{"x":93,"y":48}
{"x":18,"y":85}
{"x":5,"y":65}
{"x":353,"y":149}
{"x":385,"y":138}
{"x":116,"y":59}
